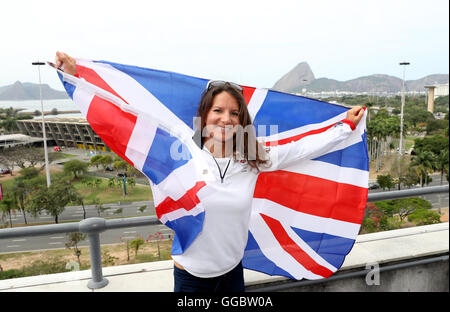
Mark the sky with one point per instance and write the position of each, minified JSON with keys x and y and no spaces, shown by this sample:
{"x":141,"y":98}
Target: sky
{"x":253,"y":43}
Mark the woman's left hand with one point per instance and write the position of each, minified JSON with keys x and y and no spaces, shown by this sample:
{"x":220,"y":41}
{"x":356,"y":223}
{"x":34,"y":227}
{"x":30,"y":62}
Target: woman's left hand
{"x":355,"y":114}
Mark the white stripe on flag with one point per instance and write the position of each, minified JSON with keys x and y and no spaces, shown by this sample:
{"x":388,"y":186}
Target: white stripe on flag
{"x":305,"y":221}
{"x":137,"y":96}
{"x":304,"y":129}
{"x":324,"y":170}
{"x":271,"y":248}
{"x":179,"y":213}
{"x":258,"y":97}
{"x":83,"y":97}
{"x":176,"y":183}
{"x":306,"y":248}
{"x":141,"y":140}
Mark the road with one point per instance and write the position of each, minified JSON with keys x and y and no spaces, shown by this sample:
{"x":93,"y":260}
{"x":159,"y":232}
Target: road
{"x":437,"y":200}
{"x":57,"y":241}
{"x":75,"y":213}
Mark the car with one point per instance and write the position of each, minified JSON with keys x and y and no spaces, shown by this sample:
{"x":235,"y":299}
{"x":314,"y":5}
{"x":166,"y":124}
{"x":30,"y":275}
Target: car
{"x":373,"y":186}
{"x":57,"y":149}
{"x":4,"y":171}
{"x":109,"y":168}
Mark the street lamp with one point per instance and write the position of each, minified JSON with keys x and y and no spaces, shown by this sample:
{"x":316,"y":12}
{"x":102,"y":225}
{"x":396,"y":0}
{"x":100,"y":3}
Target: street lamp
{"x":401,"y":112}
{"x":47,"y":169}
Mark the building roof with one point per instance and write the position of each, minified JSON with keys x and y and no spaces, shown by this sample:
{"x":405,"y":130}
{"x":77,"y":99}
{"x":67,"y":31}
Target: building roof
{"x":80,"y":120}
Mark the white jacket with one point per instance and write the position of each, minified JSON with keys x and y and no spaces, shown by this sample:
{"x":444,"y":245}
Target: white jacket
{"x":220,"y":246}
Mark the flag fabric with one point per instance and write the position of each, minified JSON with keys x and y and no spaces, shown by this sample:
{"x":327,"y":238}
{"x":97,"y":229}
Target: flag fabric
{"x":305,"y":218}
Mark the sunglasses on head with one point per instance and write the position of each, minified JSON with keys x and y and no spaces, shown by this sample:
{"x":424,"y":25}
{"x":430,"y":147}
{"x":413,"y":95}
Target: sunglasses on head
{"x":220,"y":83}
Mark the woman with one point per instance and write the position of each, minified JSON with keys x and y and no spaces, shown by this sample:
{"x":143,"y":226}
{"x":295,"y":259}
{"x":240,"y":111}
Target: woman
{"x":213,"y":260}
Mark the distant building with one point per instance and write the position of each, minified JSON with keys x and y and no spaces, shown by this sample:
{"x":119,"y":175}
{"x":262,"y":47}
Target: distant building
{"x":433,"y":92}
{"x":12,"y":140}
{"x":64,"y":131}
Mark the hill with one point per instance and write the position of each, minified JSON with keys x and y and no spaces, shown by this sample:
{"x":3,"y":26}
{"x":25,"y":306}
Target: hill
{"x":301,"y":76}
{"x":19,"y":91}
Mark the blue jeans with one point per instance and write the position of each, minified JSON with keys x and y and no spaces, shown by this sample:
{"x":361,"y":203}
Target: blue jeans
{"x":232,"y":281}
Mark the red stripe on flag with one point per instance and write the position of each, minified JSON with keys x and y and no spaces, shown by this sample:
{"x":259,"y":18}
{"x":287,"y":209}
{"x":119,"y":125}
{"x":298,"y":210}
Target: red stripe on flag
{"x":188,"y":201}
{"x":297,"y":137}
{"x":91,"y":76}
{"x":113,"y":125}
{"x":312,"y":195}
{"x":248,"y":93}
{"x":289,"y":245}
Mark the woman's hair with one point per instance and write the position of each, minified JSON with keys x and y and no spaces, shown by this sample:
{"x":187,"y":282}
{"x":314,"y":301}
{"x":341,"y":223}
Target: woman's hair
{"x":245,"y":145}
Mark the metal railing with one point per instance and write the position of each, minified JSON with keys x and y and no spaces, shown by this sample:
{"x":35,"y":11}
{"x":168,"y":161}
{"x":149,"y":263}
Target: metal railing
{"x":94,"y":226}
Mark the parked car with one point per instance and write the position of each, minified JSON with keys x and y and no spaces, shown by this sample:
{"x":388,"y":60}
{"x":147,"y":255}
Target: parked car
{"x":109,"y":168}
{"x":373,"y":186}
{"x":4,"y":171}
{"x":57,"y":149}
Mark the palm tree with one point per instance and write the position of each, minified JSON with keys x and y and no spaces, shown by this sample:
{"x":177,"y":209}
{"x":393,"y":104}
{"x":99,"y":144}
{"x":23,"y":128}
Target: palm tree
{"x":6,"y":206}
{"x":424,"y":162}
{"x":442,"y":162}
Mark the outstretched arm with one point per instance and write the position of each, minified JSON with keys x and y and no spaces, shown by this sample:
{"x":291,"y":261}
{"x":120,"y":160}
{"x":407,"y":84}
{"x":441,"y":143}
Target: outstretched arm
{"x":314,"y":145}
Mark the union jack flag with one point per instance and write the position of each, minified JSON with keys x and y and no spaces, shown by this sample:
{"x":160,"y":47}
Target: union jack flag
{"x":305,"y":218}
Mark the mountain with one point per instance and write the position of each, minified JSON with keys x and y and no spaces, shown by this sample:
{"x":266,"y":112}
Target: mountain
{"x":19,"y":91}
{"x":301,"y":77}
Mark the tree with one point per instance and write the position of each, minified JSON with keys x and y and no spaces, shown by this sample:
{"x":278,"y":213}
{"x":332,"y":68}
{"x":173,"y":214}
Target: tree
{"x":385,"y":181}
{"x":131,"y":182}
{"x":136,"y":243}
{"x":52,"y":199}
{"x":120,"y":165}
{"x":99,"y":206}
{"x":75,"y":197}
{"x":399,"y":171}
{"x":106,"y":161}
{"x":402,"y":207}
{"x":424,"y":163}
{"x":7,"y":208}
{"x":142,"y":208}
{"x":95,"y":161}
{"x":158,"y":237}
{"x":127,"y":245}
{"x":434,"y":144}
{"x":442,"y":162}
{"x":72,"y":242}
{"x":76,"y":167}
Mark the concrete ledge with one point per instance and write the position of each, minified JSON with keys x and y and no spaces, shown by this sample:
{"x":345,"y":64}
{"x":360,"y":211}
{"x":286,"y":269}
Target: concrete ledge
{"x":381,"y":248}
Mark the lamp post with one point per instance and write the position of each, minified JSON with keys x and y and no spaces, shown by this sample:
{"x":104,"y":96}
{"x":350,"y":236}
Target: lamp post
{"x":401,"y":112}
{"x":47,"y":169}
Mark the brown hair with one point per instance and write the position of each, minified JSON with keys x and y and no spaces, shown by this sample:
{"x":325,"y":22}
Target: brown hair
{"x":248,"y":148}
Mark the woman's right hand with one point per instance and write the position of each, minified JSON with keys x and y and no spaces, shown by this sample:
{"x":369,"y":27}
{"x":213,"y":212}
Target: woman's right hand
{"x":66,"y":62}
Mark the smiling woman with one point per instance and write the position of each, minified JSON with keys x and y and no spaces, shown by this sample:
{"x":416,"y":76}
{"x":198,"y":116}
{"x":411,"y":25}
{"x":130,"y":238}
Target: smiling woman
{"x":225,"y":123}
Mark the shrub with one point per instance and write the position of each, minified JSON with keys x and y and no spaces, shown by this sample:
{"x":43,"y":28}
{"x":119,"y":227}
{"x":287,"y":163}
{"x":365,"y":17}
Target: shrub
{"x":11,"y":274}
{"x":424,"y":216}
{"x":368,"y":225}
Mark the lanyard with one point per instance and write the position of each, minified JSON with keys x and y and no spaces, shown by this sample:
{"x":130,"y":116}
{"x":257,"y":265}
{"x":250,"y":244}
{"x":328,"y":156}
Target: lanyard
{"x":220,"y":171}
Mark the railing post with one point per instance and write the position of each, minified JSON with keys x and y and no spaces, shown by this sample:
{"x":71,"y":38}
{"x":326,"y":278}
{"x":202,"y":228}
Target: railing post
{"x":92,"y":227}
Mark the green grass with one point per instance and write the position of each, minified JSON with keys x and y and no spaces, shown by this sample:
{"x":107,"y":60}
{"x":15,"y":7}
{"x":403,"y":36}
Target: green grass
{"x":102,"y":192}
{"x":59,"y":155}
{"x":409,"y":142}
{"x":106,"y":194}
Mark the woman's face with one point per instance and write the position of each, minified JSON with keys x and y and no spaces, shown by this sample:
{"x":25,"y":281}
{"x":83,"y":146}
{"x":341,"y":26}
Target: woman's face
{"x":222,"y":118}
